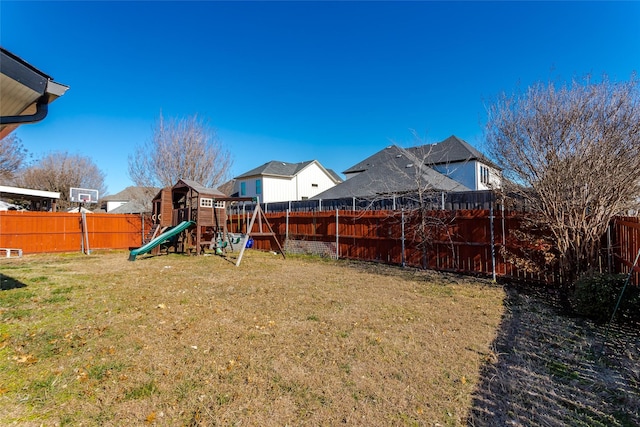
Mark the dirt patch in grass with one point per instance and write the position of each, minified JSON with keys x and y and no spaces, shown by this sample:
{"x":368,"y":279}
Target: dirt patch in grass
{"x":178,"y":340}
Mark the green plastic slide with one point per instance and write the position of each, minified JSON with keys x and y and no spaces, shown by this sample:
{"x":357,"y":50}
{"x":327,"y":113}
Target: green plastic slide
{"x":160,"y":239}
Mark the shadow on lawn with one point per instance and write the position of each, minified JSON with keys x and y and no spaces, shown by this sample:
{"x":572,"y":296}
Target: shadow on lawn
{"x":553,"y":370}
{"x":7,"y":283}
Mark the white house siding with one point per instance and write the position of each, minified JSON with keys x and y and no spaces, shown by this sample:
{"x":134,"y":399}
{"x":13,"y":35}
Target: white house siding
{"x":111,"y":205}
{"x":312,"y":180}
{"x":485,"y":182}
{"x":278,"y":189}
{"x":307,"y":183}
{"x":470,"y":174}
{"x":464,"y":173}
{"x":250,"y":188}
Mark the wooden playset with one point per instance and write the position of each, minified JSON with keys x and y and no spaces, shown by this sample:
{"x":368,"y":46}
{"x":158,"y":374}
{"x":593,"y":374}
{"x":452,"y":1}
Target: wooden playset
{"x":191,"y":218}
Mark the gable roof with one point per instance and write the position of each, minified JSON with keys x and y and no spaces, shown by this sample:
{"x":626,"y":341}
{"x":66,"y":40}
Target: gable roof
{"x":393,"y":170}
{"x":287,"y":170}
{"x":227,"y":187}
{"x":130,"y":193}
{"x":132,"y":207}
{"x":276,"y":168}
{"x":451,"y":150}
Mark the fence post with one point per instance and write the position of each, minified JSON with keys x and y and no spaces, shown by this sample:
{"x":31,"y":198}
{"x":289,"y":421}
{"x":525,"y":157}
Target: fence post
{"x":403,"y":260}
{"x":493,"y":249}
{"x":246,"y":218}
{"x":337,"y":234}
{"x":504,"y":231}
{"x":286,"y":228}
{"x":609,"y":252}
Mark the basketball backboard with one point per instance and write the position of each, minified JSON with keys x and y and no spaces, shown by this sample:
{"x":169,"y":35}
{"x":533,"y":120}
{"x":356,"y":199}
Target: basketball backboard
{"x":83,"y":195}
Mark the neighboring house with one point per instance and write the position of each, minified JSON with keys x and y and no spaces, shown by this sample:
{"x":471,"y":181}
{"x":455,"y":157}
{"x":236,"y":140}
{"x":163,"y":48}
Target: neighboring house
{"x":130,"y":200}
{"x":280,"y":181}
{"x":39,"y":200}
{"x":451,"y":165}
{"x":460,"y":161}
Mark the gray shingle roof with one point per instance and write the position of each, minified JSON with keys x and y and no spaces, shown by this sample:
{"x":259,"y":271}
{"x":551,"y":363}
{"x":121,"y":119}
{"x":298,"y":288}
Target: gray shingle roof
{"x":130,"y":193}
{"x":392,"y":170}
{"x":451,"y":150}
{"x":276,"y":168}
{"x":132,"y":207}
{"x":335,"y":176}
{"x":284,"y":169}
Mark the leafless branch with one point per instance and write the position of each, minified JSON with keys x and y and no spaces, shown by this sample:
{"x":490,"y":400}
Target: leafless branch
{"x":573,"y":153}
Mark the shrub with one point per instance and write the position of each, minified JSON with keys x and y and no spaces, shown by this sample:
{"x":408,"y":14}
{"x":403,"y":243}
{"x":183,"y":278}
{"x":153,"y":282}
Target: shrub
{"x":596,"y":294}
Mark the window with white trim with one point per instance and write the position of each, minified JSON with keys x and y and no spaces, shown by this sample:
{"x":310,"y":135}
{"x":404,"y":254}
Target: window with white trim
{"x":484,"y":174}
{"x":219,"y":204}
{"x":206,"y":202}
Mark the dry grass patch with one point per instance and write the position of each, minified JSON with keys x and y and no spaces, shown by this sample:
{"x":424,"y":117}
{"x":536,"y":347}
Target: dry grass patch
{"x":554,"y":370}
{"x":178,"y":340}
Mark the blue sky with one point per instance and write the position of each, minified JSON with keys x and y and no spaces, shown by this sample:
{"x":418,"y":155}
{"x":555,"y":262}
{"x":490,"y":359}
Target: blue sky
{"x":296,"y":81}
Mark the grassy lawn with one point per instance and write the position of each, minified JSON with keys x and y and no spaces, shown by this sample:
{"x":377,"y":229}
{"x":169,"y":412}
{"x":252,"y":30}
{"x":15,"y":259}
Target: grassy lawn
{"x":179,"y":340}
{"x":195,"y":341}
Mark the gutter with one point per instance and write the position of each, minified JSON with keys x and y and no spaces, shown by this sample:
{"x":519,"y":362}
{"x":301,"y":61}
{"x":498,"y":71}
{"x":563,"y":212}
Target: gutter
{"x":42,"y":108}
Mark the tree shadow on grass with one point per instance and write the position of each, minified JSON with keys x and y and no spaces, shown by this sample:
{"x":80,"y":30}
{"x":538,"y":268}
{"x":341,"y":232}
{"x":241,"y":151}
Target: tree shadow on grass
{"x":553,"y":370}
{"x":8,"y":283}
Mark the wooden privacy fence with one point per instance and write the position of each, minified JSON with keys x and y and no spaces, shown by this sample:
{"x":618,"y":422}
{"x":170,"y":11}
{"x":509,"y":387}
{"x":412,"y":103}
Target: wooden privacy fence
{"x":481,"y":242}
{"x":624,"y":244}
{"x":36,"y":232}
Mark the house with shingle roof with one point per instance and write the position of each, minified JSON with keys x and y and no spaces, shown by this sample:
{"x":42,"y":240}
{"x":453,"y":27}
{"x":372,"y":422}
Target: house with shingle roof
{"x":277,"y":181}
{"x":130,"y":200}
{"x":451,"y":165}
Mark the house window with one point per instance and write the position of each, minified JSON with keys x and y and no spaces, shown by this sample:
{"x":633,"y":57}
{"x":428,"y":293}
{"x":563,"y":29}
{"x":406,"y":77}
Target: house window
{"x":243,"y":188}
{"x":219,"y":205}
{"x":258,"y":186}
{"x":206,"y":203}
{"x":484,"y":174}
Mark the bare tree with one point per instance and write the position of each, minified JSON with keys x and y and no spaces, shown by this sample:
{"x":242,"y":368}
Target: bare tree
{"x":180,"y":149}
{"x":572,"y":152}
{"x":427,"y":227}
{"x":12,"y":156}
{"x":59,"y":171}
